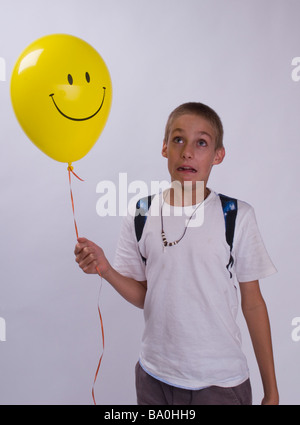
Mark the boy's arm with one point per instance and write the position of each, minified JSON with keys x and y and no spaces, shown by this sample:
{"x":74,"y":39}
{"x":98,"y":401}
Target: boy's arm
{"x":91,"y":260}
{"x":256,"y":315}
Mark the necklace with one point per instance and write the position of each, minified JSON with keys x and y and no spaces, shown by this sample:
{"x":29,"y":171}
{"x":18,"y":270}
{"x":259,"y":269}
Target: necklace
{"x":163,"y":235}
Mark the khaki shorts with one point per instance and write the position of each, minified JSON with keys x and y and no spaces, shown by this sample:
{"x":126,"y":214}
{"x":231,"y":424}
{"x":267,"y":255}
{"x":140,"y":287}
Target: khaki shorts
{"x":151,"y":391}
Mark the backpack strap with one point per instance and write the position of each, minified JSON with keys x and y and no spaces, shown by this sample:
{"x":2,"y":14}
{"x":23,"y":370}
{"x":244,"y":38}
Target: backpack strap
{"x":142,"y":207}
{"x":229,"y":206}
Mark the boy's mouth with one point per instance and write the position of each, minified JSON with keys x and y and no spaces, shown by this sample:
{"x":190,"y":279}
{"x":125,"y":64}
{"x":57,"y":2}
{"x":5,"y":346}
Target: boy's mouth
{"x":186,"y":169}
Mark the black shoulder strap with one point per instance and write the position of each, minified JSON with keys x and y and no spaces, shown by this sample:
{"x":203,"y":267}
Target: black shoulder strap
{"x":229,"y":206}
{"x":142,"y":207}
{"x":140,"y":218}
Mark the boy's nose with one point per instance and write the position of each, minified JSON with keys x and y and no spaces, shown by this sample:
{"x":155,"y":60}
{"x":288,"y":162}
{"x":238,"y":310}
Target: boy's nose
{"x":187,"y":152}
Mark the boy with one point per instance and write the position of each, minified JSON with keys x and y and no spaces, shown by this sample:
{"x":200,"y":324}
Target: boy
{"x":179,"y":273}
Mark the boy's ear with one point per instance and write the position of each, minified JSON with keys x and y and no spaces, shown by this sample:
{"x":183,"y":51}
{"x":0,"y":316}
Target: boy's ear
{"x":219,"y":156}
{"x":164,"y":150}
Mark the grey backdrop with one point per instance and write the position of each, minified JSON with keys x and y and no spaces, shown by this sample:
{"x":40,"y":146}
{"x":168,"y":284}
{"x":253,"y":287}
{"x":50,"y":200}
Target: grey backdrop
{"x":236,"y":56}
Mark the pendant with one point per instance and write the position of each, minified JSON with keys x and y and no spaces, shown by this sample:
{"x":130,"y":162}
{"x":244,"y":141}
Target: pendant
{"x":164,"y":239}
{"x":165,"y":242}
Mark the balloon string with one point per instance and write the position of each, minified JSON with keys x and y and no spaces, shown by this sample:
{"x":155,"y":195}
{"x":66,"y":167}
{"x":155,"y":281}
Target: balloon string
{"x":102,"y":331}
{"x":70,"y":170}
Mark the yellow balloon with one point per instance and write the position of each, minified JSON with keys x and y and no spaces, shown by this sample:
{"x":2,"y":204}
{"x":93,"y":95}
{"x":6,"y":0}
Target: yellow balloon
{"x":61,"y":92}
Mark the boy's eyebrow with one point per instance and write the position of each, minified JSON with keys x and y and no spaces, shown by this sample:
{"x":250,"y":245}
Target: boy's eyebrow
{"x":180,"y":130}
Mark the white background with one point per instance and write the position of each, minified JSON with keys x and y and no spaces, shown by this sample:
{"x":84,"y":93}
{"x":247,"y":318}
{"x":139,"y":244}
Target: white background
{"x":234,"y":55}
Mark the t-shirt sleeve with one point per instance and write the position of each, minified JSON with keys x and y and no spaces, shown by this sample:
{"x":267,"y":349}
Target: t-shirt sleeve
{"x":252,"y":261}
{"x":128,"y":259}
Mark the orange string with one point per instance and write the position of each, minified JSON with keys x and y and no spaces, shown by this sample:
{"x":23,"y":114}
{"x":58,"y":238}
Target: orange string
{"x":70,"y":170}
{"x":102,"y":331}
{"x":72,"y":200}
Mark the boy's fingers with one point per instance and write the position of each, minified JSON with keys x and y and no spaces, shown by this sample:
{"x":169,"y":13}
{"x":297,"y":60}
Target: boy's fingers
{"x":77,"y":249}
{"x":82,"y":243}
{"x":86,"y":262}
{"x":83,"y":253}
{"x":82,"y":240}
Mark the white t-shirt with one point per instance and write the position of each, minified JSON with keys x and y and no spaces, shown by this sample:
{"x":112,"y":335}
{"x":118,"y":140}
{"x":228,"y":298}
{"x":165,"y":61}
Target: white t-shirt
{"x":191,"y":338}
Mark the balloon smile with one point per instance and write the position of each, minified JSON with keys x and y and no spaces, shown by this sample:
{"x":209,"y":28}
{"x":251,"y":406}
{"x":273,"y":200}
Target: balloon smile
{"x":79,"y":119}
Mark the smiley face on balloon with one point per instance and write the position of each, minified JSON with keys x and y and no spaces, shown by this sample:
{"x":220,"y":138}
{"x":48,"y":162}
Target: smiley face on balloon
{"x":61,"y":93}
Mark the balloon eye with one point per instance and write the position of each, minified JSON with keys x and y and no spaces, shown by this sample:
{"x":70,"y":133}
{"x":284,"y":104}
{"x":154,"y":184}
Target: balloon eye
{"x":70,"y":79}
{"x":87,"y":76}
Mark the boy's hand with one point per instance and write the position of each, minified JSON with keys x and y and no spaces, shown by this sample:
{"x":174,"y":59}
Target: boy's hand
{"x":90,"y":257}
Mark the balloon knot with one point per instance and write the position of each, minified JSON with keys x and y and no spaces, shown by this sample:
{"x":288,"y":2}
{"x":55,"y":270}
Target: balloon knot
{"x":70,"y":167}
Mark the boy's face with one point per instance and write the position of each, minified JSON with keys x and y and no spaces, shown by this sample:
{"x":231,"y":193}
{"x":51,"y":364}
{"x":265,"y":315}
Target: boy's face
{"x":190,"y":149}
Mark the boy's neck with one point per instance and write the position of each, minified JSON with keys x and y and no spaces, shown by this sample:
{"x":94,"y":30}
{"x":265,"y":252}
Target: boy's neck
{"x":186,"y":195}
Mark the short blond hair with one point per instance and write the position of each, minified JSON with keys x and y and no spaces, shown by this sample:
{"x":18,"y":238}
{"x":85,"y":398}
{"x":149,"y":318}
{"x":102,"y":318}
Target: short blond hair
{"x":204,"y":111}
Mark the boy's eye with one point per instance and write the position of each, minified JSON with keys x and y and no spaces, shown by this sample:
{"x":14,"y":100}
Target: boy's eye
{"x":178,"y":140}
{"x":202,"y":142}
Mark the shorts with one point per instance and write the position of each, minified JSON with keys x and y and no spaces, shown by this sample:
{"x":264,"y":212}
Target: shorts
{"x":151,"y":391}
